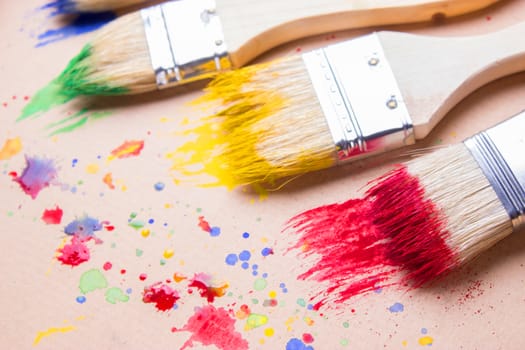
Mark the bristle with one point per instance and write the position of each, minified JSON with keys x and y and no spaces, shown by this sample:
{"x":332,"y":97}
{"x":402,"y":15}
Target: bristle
{"x":269,"y":126}
{"x":75,"y":6}
{"x":115,"y":62}
{"x":424,"y":218}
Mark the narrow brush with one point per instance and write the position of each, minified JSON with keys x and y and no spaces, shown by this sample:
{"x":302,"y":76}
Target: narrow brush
{"x":186,"y":40}
{"x":79,"y":6}
{"x":423,"y":219}
{"x":347,"y":101}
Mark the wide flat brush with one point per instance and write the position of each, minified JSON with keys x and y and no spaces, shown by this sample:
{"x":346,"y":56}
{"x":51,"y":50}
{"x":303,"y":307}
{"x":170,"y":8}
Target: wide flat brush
{"x":347,"y":101}
{"x":423,"y":219}
{"x":182,"y":41}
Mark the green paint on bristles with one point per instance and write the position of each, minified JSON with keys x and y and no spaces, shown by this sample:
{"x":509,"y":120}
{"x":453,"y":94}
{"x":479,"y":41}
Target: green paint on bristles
{"x":74,"y":77}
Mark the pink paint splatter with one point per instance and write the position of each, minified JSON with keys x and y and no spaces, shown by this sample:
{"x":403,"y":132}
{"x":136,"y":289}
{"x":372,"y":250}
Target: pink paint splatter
{"x":160,"y":294}
{"x":52,"y":216}
{"x":211,"y":326}
{"x":74,"y":253}
{"x":38,"y":174}
{"x":203,"y":283}
{"x":107,"y":266}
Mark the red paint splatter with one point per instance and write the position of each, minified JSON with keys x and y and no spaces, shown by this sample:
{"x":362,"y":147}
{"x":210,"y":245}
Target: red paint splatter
{"x":127,"y":149}
{"x":204,"y":225}
{"x":361,"y":243}
{"x":109,"y":227}
{"x":308,"y":338}
{"x":74,"y":253}
{"x":107,"y":266}
{"x":52,"y":216}
{"x":211,"y":326}
{"x":202,"y":282}
{"x":162,"y":295}
{"x":123,"y":271}
{"x":38,"y":174}
{"x":143,"y":276}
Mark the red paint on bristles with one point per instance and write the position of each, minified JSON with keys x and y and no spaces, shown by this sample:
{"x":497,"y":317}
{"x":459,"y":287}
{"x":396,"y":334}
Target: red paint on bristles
{"x":363,"y":243}
{"x":414,"y":225}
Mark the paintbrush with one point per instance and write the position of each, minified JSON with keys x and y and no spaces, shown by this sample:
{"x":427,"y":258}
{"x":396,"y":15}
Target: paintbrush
{"x":79,"y":6}
{"x":424,"y":219}
{"x":347,"y":101}
{"x":187,"y":40}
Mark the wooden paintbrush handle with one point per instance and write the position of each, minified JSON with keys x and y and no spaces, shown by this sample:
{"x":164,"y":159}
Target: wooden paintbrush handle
{"x":252,"y":27}
{"x":435,"y":73}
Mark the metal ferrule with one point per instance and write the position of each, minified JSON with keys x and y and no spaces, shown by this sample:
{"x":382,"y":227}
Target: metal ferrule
{"x":499,"y":153}
{"x":185,"y":41}
{"x":359,"y":97}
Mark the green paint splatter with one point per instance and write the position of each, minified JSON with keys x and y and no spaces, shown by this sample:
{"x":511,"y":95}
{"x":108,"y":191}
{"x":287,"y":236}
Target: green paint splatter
{"x":115,"y":294}
{"x":260,"y":284}
{"x":346,"y":324}
{"x":255,"y":320}
{"x":255,"y":301}
{"x":344,"y":342}
{"x":301,"y":302}
{"x":162,"y":262}
{"x":133,"y":215}
{"x":136,"y":224}
{"x":10,"y":213}
{"x":139,"y":252}
{"x":92,"y":280}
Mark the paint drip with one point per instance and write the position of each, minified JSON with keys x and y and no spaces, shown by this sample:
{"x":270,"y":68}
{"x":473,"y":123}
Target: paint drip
{"x":212,"y":326}
{"x":363,"y":243}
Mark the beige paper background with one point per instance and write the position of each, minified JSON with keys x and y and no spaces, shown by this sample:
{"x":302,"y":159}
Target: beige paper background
{"x":481,"y":307}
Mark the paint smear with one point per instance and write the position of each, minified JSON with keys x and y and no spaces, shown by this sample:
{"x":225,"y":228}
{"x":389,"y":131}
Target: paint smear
{"x":297,"y":344}
{"x":53,"y":216}
{"x":207,"y":290}
{"x":211,"y":326}
{"x":39,"y":173}
{"x":74,"y":253}
{"x":92,"y":280}
{"x":115,"y":294}
{"x":10,"y":148}
{"x":50,"y":331}
{"x":361,"y":245}
{"x":73,"y":25}
{"x":163,"y":296}
{"x":126,"y":150}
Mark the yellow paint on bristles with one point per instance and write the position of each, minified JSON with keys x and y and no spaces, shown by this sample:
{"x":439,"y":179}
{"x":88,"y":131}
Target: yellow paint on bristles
{"x":268,"y":125}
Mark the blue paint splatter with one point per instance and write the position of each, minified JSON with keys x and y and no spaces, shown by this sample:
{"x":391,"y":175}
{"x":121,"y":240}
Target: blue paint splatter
{"x":424,"y":331}
{"x":245,"y":235}
{"x":38,"y":174}
{"x":245,"y":255}
{"x":84,"y":227}
{"x":81,"y":299}
{"x":231,"y":259}
{"x":215,"y":231}
{"x":80,"y":24}
{"x":245,"y":265}
{"x":266,"y":251}
{"x":297,"y":344}
{"x":396,"y":307}
{"x":159,"y":186}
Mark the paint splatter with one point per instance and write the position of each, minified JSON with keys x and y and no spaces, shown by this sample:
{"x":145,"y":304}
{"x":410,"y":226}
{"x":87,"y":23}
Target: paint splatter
{"x":74,"y":253}
{"x":92,"y":280}
{"x":127,"y":149}
{"x":85,"y":228}
{"x":426,"y":341}
{"x":212,"y":326}
{"x":52,"y":216}
{"x":115,"y":294}
{"x":255,"y":321}
{"x":10,"y":148}
{"x":396,"y":307}
{"x":162,"y":295}
{"x":39,"y":172}
{"x":108,"y":180}
{"x":207,"y":290}
{"x":75,"y":25}
{"x":297,"y":344}
{"x":50,"y":331}
{"x":205,"y":226}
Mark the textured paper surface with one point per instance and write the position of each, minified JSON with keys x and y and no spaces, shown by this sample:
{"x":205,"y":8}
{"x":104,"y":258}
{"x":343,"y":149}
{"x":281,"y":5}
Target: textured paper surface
{"x":153,"y":229}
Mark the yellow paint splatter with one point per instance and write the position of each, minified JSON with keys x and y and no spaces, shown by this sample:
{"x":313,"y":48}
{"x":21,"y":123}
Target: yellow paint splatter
{"x":177,"y":277}
{"x":145,"y":232}
{"x":92,"y":168}
{"x":426,"y":340}
{"x":254,"y":321}
{"x":404,"y":343}
{"x":127,"y":149}
{"x":269,"y":332}
{"x":168,"y":253}
{"x":108,"y":180}
{"x":272,"y":294}
{"x":308,"y":321}
{"x":289,"y":322}
{"x":11,"y":147}
{"x":50,"y":331}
